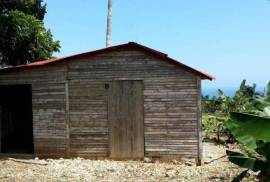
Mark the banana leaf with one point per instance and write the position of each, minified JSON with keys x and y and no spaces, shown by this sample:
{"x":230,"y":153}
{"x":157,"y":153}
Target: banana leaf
{"x":240,"y":177}
{"x":263,"y":149}
{"x":247,"y":162}
{"x":254,"y":126}
{"x":240,"y":135}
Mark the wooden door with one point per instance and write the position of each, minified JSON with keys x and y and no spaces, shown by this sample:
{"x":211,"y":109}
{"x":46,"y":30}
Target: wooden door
{"x":125,"y":114}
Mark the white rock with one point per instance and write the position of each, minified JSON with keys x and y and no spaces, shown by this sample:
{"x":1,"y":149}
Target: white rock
{"x":147,"y":160}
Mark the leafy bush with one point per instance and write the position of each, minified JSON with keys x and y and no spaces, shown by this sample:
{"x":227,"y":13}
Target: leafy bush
{"x":213,"y":125}
{"x":210,"y":105}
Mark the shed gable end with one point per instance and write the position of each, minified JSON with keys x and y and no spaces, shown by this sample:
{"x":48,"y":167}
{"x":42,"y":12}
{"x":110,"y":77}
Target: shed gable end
{"x":132,"y":64}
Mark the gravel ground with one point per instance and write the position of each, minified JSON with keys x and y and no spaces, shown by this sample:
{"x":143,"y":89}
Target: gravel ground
{"x":105,"y":170}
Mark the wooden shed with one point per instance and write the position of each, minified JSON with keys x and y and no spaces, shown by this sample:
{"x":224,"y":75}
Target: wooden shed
{"x":125,"y":101}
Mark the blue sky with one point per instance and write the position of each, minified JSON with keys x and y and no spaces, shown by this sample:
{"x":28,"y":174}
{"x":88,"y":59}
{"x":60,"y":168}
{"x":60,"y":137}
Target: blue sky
{"x":229,"y":39}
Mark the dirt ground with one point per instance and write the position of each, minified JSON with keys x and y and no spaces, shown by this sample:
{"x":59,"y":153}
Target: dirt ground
{"x":105,"y":170}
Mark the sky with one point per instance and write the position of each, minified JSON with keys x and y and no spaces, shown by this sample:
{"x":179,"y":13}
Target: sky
{"x":229,"y":39}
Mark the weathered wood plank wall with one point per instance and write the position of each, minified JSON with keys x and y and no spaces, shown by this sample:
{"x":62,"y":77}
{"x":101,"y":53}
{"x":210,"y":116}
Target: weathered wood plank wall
{"x":171,"y":117}
{"x":88,"y":118}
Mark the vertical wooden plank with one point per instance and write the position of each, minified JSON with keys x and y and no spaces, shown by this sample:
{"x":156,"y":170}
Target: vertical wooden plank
{"x":67,"y":118}
{"x":136,"y":115}
{"x":126,"y":119}
{"x":111,"y":122}
{"x":199,"y":127}
{"x":114,"y":119}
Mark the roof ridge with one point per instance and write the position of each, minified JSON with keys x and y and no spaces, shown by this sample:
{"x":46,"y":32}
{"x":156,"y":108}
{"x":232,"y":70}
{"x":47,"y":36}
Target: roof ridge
{"x":145,"y":47}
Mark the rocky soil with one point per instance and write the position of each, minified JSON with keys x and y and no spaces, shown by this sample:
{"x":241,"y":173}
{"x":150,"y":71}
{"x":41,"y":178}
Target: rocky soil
{"x":215,"y":169}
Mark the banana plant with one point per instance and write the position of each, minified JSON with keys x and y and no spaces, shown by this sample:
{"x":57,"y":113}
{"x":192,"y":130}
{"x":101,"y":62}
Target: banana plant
{"x":247,"y":90}
{"x":268,"y":92}
{"x":254,"y":133}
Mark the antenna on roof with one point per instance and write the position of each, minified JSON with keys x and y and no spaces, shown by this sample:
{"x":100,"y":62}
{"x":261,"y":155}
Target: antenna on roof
{"x":109,"y":24}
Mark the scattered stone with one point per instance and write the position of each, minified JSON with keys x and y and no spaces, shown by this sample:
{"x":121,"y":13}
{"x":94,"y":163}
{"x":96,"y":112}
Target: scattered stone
{"x":111,"y":170}
{"x":189,"y":163}
{"x":169,"y":167}
{"x":176,"y":162}
{"x":171,"y":174}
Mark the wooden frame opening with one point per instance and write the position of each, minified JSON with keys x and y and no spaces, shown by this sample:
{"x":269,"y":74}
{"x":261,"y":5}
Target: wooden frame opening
{"x":16,"y":121}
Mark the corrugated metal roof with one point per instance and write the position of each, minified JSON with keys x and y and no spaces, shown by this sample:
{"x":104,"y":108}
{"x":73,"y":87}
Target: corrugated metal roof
{"x":128,"y":46}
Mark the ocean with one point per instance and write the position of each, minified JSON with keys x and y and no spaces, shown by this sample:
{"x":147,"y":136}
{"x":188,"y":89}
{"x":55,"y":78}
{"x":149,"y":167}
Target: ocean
{"x":228,"y":91}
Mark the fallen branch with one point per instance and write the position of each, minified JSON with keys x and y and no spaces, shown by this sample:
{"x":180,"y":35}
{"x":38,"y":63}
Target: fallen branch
{"x":28,"y":162}
{"x":215,"y":159}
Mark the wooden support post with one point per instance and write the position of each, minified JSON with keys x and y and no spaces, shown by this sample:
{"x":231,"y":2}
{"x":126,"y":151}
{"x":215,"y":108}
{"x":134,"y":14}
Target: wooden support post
{"x":199,"y":126}
{"x":67,"y":119}
{"x":0,"y":128}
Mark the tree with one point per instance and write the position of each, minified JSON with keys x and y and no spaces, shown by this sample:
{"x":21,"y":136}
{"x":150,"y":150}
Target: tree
{"x":35,"y":8}
{"x":23,"y":35}
{"x":109,"y":24}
